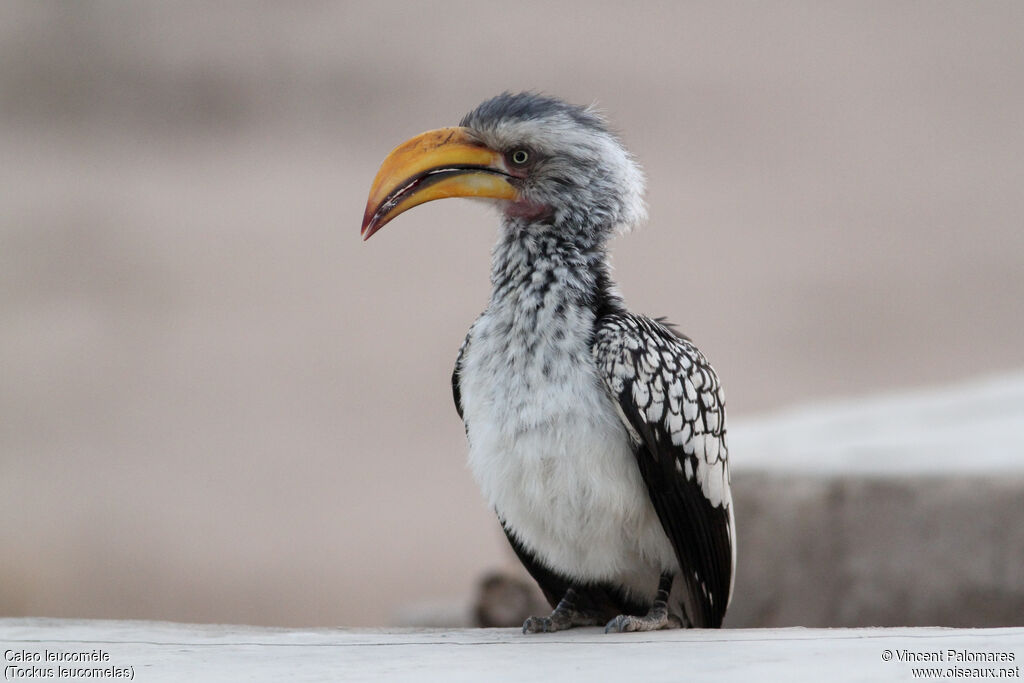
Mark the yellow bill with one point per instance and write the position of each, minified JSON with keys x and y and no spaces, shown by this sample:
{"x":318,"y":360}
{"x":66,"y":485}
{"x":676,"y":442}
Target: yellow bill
{"x":441,"y":163}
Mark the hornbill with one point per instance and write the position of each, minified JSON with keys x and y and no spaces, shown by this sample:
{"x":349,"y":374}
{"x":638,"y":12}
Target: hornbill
{"x":597,"y":435}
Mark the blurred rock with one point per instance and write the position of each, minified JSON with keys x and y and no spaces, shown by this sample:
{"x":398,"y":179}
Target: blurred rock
{"x":878,"y":551}
{"x":503,"y":600}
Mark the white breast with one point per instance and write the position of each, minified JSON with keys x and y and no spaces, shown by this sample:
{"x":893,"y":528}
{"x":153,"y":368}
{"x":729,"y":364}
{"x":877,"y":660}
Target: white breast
{"x":552,"y":456}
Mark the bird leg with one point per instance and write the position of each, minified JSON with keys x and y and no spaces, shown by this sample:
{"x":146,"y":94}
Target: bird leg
{"x":566,"y":615}
{"x":656,"y":618}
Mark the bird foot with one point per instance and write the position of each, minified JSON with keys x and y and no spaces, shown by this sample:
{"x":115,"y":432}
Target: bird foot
{"x":544,"y":625}
{"x":652,"y":621}
{"x":557,"y":622}
{"x":657,"y":617}
{"x":565,"y":616}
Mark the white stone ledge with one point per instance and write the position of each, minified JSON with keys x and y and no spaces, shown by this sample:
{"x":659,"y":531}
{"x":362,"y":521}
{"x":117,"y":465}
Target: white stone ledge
{"x":974,"y":428}
{"x":160,"y":651}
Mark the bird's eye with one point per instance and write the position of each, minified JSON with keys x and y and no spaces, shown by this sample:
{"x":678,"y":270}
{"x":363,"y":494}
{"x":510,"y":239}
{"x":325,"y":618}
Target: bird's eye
{"x":519,"y":157}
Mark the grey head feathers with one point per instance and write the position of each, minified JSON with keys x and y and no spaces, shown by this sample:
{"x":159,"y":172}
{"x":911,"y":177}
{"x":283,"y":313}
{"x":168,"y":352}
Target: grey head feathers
{"x":529,"y":106}
{"x":579,"y":171}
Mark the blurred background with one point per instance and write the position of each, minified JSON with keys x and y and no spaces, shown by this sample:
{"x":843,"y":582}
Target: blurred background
{"x":218,"y":404}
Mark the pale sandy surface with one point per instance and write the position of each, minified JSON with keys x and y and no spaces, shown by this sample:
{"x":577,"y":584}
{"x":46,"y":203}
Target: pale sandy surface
{"x":216,"y":404}
{"x":156,"y":651}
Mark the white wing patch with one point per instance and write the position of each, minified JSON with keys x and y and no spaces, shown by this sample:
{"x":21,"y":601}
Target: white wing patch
{"x":675,"y":391}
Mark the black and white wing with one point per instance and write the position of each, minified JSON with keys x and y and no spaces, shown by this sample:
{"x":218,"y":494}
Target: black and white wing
{"x":671,"y":403}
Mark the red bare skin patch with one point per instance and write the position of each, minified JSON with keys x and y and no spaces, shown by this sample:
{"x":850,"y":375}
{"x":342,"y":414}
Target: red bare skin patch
{"x":522,"y":208}
{"x":528,"y":210}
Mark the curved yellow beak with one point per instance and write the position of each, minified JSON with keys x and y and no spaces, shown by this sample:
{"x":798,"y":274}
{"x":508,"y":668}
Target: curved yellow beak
{"x":440,"y":163}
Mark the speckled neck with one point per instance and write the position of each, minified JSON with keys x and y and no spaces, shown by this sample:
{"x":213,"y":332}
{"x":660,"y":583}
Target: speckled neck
{"x":541,"y":266}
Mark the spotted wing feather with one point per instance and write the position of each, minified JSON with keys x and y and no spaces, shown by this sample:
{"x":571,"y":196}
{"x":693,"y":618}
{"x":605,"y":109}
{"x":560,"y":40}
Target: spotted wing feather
{"x":671,"y":403}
